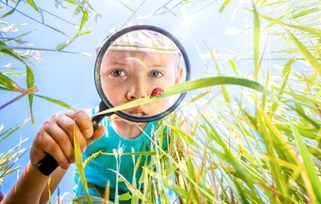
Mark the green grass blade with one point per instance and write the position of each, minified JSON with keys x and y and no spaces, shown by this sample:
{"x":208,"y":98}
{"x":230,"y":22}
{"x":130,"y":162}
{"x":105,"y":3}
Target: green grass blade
{"x":55,"y":101}
{"x":306,"y":53}
{"x":193,"y":85}
{"x":80,"y":167}
{"x":192,"y":193}
{"x":232,"y":65}
{"x":184,"y":136}
{"x":8,"y":13}
{"x":83,"y":20}
{"x":305,"y":12}
{"x":34,"y":6}
{"x":7,"y":50}
{"x":308,"y":163}
{"x":313,"y":31}
{"x":225,"y":3}
{"x":12,"y":130}
{"x":9,"y":84}
{"x":286,"y":73}
{"x":219,"y":72}
{"x":30,"y":84}
{"x":256,"y":42}
{"x":127,"y":7}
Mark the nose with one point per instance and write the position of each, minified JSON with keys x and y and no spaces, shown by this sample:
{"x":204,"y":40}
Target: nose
{"x":137,"y":91}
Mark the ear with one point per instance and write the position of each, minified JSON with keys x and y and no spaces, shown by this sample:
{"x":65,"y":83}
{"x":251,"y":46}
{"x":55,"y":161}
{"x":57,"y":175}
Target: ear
{"x":179,"y":75}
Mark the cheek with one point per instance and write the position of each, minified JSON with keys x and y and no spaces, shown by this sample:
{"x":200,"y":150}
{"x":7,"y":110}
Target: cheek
{"x":114,"y":94}
{"x":159,"y":106}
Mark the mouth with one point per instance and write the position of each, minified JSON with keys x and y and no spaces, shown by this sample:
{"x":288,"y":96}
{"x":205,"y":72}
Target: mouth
{"x":137,"y":112}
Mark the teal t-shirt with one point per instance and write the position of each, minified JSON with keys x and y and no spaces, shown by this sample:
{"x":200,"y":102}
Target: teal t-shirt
{"x":101,"y":169}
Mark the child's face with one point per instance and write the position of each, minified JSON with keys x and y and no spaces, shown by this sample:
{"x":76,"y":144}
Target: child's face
{"x":130,"y":75}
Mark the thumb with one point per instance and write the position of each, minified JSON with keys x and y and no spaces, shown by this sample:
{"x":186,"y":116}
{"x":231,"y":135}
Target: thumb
{"x":97,"y":134}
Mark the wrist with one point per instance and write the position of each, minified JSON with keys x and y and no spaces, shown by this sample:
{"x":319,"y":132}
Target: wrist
{"x":33,"y":169}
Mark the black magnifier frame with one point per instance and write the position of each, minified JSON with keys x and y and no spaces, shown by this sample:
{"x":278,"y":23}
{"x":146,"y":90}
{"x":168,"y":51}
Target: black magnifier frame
{"x":100,"y":57}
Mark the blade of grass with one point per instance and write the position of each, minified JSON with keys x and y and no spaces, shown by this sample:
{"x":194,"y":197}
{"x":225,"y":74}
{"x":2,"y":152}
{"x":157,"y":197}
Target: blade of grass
{"x":10,"y":84}
{"x":8,"y":13}
{"x":12,"y":130}
{"x":34,"y":6}
{"x":49,"y":191}
{"x":256,"y":42}
{"x":313,"y":31}
{"x":232,"y":65}
{"x":219,"y":71}
{"x":192,"y":195}
{"x":286,"y":73}
{"x":7,"y":50}
{"x":79,"y":165}
{"x":55,"y":101}
{"x":305,"y":12}
{"x":107,"y":192}
{"x":308,"y":163}
{"x":193,"y":85}
{"x":30,"y":84}
{"x":225,"y":3}
{"x":306,"y":53}
{"x":25,"y":92}
{"x":279,"y":179}
{"x":286,"y":151}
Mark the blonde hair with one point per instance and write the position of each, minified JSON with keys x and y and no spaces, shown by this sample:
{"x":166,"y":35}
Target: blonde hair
{"x":140,"y":40}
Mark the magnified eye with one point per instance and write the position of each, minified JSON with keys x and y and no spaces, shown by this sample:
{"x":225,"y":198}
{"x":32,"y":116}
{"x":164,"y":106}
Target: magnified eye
{"x":118,"y":73}
{"x":155,"y":74}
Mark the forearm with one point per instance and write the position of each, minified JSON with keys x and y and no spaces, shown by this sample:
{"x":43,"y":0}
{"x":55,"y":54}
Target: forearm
{"x":28,"y":188}
{"x":54,"y":182}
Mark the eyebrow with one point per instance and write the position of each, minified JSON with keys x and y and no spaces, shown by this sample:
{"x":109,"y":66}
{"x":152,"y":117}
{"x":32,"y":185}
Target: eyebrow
{"x":122,"y":63}
{"x":116,"y":63}
{"x":157,"y":65}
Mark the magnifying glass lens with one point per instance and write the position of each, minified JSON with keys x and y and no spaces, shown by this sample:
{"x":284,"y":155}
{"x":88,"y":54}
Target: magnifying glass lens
{"x":139,"y":64}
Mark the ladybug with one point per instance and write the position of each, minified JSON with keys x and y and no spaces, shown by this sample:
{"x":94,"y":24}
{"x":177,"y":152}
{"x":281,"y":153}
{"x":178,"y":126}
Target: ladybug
{"x":156,"y":91}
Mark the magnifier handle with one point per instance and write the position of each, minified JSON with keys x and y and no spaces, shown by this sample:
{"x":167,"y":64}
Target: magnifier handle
{"x":47,"y":165}
{"x":97,"y":118}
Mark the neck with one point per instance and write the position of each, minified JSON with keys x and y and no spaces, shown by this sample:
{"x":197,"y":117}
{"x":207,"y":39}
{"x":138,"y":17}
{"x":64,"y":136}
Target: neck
{"x":127,"y":129}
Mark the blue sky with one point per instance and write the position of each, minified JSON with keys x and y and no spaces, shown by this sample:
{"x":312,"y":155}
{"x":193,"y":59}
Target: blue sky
{"x":69,"y":77}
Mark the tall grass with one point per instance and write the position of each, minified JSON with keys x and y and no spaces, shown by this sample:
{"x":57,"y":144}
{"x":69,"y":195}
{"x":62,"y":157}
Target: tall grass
{"x":261,"y":141}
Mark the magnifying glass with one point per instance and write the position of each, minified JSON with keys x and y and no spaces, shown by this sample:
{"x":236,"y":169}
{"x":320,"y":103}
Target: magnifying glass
{"x":139,"y":61}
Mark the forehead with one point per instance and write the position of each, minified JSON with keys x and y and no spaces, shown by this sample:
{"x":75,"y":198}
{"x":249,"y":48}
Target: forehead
{"x":123,"y":55}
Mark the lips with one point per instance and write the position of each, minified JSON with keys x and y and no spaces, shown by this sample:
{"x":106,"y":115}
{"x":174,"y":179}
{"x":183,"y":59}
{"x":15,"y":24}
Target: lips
{"x":137,"y":112}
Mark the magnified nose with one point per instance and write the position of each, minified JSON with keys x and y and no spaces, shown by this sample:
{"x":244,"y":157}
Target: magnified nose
{"x":137,"y":91}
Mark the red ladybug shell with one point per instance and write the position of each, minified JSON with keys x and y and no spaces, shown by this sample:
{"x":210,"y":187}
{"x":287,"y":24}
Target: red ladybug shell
{"x":156,"y":92}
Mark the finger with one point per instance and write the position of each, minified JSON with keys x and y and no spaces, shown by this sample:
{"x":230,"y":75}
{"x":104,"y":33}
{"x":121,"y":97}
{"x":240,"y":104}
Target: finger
{"x":62,"y":139}
{"x":71,"y":128}
{"x":97,"y":134}
{"x":83,"y":121}
{"x":47,"y":145}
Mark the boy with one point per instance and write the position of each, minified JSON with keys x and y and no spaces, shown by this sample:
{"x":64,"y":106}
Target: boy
{"x":134,"y":65}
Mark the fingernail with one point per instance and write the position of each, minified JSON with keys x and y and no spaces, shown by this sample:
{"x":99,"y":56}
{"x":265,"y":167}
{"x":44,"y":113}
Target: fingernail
{"x":88,"y":133}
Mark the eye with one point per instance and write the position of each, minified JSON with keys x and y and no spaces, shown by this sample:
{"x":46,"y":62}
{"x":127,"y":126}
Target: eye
{"x":155,"y":74}
{"x":117,"y":73}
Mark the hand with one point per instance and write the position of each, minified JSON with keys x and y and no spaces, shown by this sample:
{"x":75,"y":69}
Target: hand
{"x":56,"y":137}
